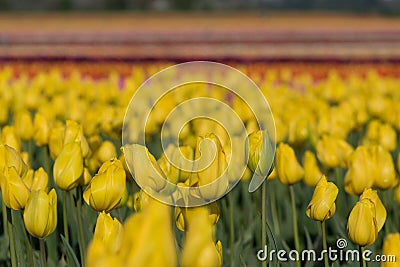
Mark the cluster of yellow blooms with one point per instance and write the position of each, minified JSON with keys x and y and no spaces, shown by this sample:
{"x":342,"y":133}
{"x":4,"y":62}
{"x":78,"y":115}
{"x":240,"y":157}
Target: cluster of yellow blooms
{"x":63,"y":132}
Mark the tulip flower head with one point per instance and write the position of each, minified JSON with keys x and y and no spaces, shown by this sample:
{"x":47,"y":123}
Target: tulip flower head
{"x":322,"y":205}
{"x":288,"y":168}
{"x":391,"y":247}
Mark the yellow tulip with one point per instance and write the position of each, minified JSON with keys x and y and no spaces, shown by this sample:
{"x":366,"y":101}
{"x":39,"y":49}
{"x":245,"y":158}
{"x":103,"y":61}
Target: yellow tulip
{"x":381,"y":134}
{"x":362,"y":226}
{"x":383,"y":170}
{"x":213,"y":179}
{"x":322,"y":205}
{"x":41,"y":130}
{"x":333,"y":152}
{"x":73,"y":133}
{"x":106,"y":151}
{"x":3,"y":111}
{"x":40,"y":214}
{"x":312,"y":172}
{"x":360,"y":174}
{"x":14,"y":192}
{"x":183,"y":216}
{"x":37,"y":180}
{"x":259,"y":153}
{"x":145,"y":228}
{"x":9,"y":157}
{"x":68,"y":167}
{"x":23,"y":125}
{"x":298,"y":131}
{"x":109,"y":231}
{"x":199,"y":248}
{"x":10,"y":138}
{"x":287,"y":167}
{"x":177,"y":173}
{"x":56,"y":139}
{"x":107,"y":187}
{"x":379,"y":208}
{"x":391,"y":247}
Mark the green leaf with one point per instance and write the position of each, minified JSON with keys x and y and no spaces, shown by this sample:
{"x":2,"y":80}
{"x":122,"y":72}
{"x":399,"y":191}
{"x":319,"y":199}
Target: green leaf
{"x":73,"y":260}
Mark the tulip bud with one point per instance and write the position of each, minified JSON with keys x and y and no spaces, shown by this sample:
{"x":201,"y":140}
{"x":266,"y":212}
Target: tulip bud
{"x":56,"y":139}
{"x":41,"y":130}
{"x":383,"y":170}
{"x":379,"y":208}
{"x":109,"y":232}
{"x":288,"y":168}
{"x":212,"y":180}
{"x":9,"y":157}
{"x":360,"y":174}
{"x":73,"y":133}
{"x":259,"y":153}
{"x":322,"y":205}
{"x":391,"y":247}
{"x":68,"y":167}
{"x":40,"y":214}
{"x":10,"y":138}
{"x":312,"y":172}
{"x":183,"y":216}
{"x":14,"y":192}
{"x":178,"y":173}
{"x":23,"y":125}
{"x":106,"y":151}
{"x":37,"y":180}
{"x":107,"y":187}
{"x":362,"y":226}
{"x":333,"y":152}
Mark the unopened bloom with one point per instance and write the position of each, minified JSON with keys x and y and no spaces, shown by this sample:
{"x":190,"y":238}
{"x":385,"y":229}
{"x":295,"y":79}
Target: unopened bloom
{"x":108,"y":231}
{"x":9,"y":157}
{"x":41,"y":130}
{"x":362,"y":227}
{"x":37,"y":180}
{"x":40,"y":214}
{"x":312,"y":172}
{"x":68,"y":167}
{"x":14,"y":191}
{"x":56,"y":139}
{"x":391,"y":247}
{"x":183,"y":216}
{"x":322,"y":205}
{"x":23,"y":125}
{"x":333,"y":152}
{"x":73,"y":133}
{"x":107,"y":187}
{"x":288,"y":168}
{"x":106,"y":151}
{"x":260,"y":153}
{"x":383,"y":168}
{"x":360,"y":174}
{"x":10,"y":138}
{"x":379,"y":208}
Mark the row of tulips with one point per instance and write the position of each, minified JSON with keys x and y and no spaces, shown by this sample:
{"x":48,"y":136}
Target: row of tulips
{"x":65,"y":181}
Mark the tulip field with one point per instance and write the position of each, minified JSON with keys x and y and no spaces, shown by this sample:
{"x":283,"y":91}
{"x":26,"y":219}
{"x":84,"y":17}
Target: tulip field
{"x":79,"y":189}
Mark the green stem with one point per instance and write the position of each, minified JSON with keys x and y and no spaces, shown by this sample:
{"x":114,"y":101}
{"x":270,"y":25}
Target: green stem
{"x":42,"y":252}
{"x":81,"y":234}
{"x":4,"y":211}
{"x":28,"y":246}
{"x":295,"y":227}
{"x":274,"y":211}
{"x":231,"y":228}
{"x":65,"y":217}
{"x":362,"y":261}
{"x":18,"y":225}
{"x":11,"y":238}
{"x":264,"y":218}
{"x":324,"y":244}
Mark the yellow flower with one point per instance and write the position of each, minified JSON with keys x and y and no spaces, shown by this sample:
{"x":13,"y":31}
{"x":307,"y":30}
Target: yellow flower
{"x":333,"y":152}
{"x":360,"y":174}
{"x":199,"y":248}
{"x":68,"y":167}
{"x":391,"y":247}
{"x":288,"y":168}
{"x":74,"y":133}
{"x":56,"y":139}
{"x":40,"y":214}
{"x":109,"y":232}
{"x":312,"y":172}
{"x":259,"y":153}
{"x":380,"y":134}
{"x":23,"y":125}
{"x":322,"y":205}
{"x":9,"y":157}
{"x":383,"y":168}
{"x":10,"y":138}
{"x":379,"y":208}
{"x":14,"y":192}
{"x":37,"y":180}
{"x":107,"y":187}
{"x":106,"y":151}
{"x":41,"y":130}
{"x":362,"y":227}
{"x":183,"y":216}
{"x":212,"y":177}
